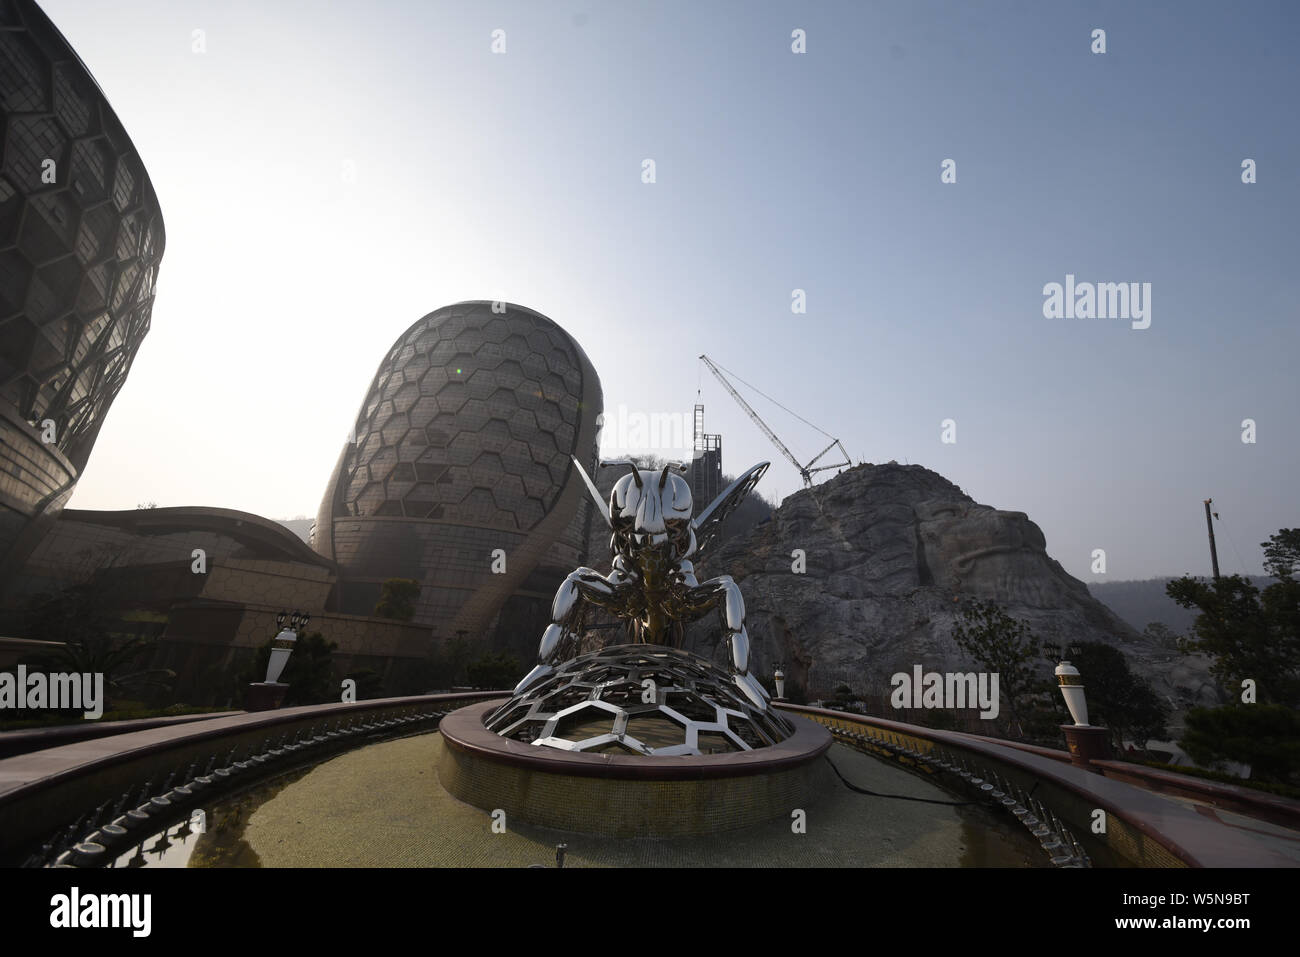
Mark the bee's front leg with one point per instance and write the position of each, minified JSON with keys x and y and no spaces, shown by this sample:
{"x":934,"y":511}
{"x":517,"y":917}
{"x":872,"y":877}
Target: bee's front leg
{"x":724,"y":591}
{"x":559,"y":641}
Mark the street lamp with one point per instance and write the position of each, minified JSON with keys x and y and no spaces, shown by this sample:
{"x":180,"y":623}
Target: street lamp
{"x":1071,"y":682}
{"x":282,"y":645}
{"x":267,"y":695}
{"x":1087,"y":742}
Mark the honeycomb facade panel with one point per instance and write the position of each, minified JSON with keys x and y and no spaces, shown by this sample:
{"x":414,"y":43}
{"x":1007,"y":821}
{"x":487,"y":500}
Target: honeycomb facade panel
{"x":461,"y":448}
{"x":81,"y":236}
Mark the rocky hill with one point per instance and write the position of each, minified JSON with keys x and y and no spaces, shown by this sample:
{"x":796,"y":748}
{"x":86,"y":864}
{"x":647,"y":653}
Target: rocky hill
{"x":891,"y":552}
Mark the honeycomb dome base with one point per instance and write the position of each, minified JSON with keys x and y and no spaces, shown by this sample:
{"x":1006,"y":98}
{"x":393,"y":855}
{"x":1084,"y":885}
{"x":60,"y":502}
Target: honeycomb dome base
{"x":638,"y":699}
{"x":610,"y":787}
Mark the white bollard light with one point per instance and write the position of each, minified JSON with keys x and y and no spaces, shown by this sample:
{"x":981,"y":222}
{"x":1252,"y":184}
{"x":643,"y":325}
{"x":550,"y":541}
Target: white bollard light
{"x":280,"y":652}
{"x":1071,"y":682}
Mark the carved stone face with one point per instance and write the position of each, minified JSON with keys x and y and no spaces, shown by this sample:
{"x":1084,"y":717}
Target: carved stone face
{"x":651,"y":513}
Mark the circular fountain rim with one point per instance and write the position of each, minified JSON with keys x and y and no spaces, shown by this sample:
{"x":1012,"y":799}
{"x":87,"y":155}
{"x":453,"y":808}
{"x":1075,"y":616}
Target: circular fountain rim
{"x":464,"y":730}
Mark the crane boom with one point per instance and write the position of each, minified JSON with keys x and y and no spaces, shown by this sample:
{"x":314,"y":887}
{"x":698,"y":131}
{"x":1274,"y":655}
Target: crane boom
{"x":804,"y":470}
{"x":754,"y":415}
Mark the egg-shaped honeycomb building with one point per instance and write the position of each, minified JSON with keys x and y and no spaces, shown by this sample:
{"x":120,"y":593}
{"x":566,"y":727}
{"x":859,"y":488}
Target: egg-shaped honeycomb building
{"x":458,"y":474}
{"x":81,"y":235}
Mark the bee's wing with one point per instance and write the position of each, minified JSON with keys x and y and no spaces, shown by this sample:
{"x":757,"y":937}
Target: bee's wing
{"x":708,"y":524}
{"x":602,"y":507}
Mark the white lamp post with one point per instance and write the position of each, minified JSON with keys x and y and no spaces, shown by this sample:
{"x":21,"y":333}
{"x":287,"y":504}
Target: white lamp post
{"x":267,"y":695}
{"x":780,"y":684}
{"x":1071,"y":682}
{"x":1087,"y":742}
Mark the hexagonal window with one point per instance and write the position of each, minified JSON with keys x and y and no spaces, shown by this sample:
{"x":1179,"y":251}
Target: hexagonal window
{"x":690,"y":706}
{"x":549,"y":416}
{"x":95,"y":234}
{"x":655,"y":731}
{"x":714,"y":742}
{"x":17,"y":336}
{"x":15,"y":277}
{"x":415,"y":366}
{"x":478,"y":506}
{"x":11,"y":211}
{"x":564,"y":436}
{"x":394,"y":429}
{"x":481,"y":384}
{"x":502,"y":402}
{"x":496,"y":329}
{"x":406,"y":396}
{"x":587,"y":720}
{"x":32,"y":139}
{"x":510,"y":373}
{"x":452,"y":396}
{"x":516,"y":347}
{"x":542,"y":448}
{"x":495,"y":435}
{"x":537,"y":481}
{"x":371,"y":497}
{"x":433,"y":380}
{"x":539,"y":342}
{"x":553,"y":387}
{"x":529,"y":512}
{"x":523,"y":424}
{"x":463,"y":449}
{"x":124,"y":288}
{"x":90,"y":167}
{"x":559,"y":469}
{"x":129,"y":234}
{"x":392,"y":384}
{"x":473,"y":415}
{"x":534,"y":368}
{"x":123,"y":184}
{"x":61,"y":279}
{"x":424,"y":339}
{"x":423,"y":410}
{"x":508,"y":493}
{"x":557,"y":360}
{"x":70,"y":99}
{"x":486,"y":469}
{"x":381,"y":464}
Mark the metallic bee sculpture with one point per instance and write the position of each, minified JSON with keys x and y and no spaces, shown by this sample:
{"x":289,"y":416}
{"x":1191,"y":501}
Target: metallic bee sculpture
{"x":652,"y":584}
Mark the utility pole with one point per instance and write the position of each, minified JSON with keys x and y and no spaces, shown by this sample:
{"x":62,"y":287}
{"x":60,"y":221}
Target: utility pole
{"x":1214,"y":554}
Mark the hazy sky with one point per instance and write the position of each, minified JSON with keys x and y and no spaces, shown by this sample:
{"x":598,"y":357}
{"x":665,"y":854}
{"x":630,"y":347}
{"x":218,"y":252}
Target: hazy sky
{"x":518,"y":176}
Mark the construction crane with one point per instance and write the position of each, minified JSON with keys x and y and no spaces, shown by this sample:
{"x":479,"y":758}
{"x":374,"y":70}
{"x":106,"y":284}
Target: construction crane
{"x":806,"y":471}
